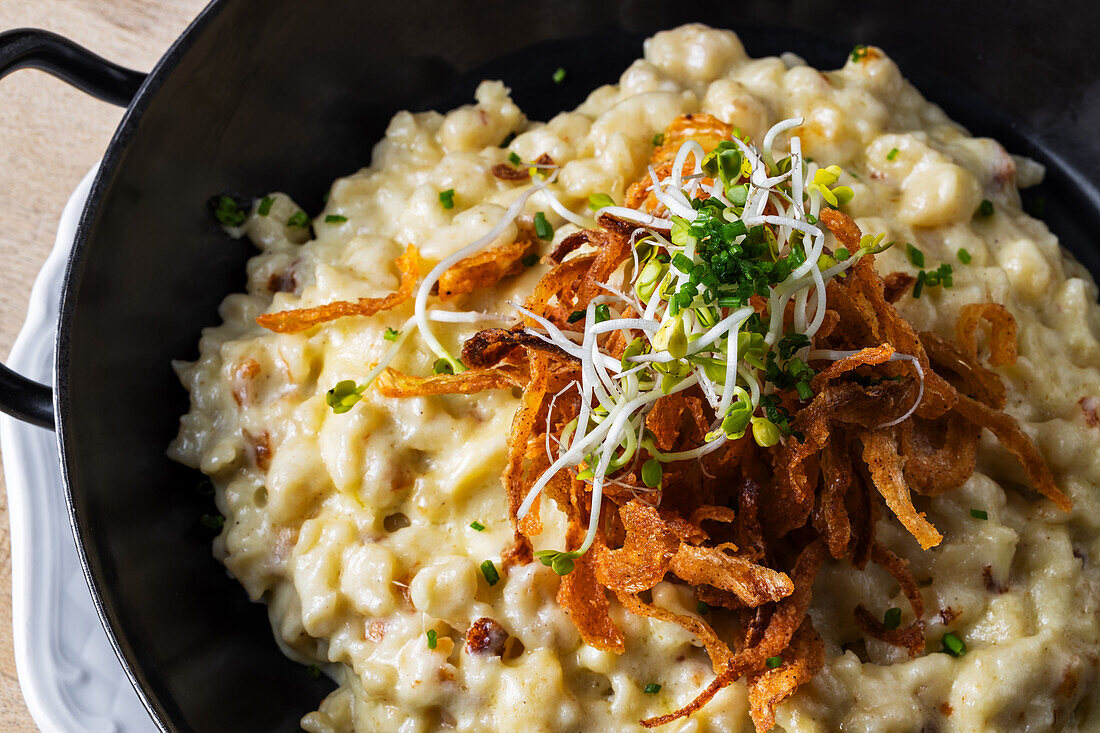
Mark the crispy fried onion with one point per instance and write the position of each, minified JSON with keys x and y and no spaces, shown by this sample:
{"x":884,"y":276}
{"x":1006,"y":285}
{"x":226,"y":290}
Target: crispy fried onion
{"x":487,"y":267}
{"x":746,"y":528}
{"x":910,"y":637}
{"x":295,"y":321}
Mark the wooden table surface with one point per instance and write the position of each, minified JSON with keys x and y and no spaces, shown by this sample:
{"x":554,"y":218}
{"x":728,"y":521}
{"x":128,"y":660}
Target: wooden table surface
{"x":50,"y":135}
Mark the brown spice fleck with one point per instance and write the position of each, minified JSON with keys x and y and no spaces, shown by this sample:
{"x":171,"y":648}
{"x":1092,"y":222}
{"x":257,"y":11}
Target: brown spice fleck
{"x":897,"y":284}
{"x":1089,"y":406}
{"x":486,"y":636}
{"x":992,"y":585}
{"x":949,"y":614}
{"x":261,"y":449}
{"x":505,"y":172}
{"x":376,"y":631}
{"x":243,"y":375}
{"x":946,"y":709}
{"x":283,"y":282}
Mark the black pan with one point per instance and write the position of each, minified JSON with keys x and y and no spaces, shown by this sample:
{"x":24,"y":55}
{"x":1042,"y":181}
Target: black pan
{"x":282,"y":94}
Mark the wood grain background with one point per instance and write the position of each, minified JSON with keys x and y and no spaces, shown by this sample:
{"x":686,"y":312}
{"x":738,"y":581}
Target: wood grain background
{"x":50,"y":135}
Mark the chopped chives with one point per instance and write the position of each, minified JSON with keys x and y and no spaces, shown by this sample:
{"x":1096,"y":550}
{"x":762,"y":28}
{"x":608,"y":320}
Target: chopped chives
{"x":774,"y":662}
{"x":658,"y":139}
{"x":964,"y":256}
{"x":489,"y":570}
{"x":559,"y":75}
{"x":842,"y":254}
{"x":212,"y":521}
{"x":314,"y":672}
{"x":914,"y":254}
{"x":892,"y":154}
{"x":979,"y":513}
{"x":602,"y":313}
{"x":575,"y":316}
{"x":335,"y":219}
{"x":514,"y":159}
{"x":227,"y":211}
{"x":447,"y":198}
{"x":804,"y":391}
{"x":985,"y":208}
{"x":298,"y":219}
{"x":530,"y":260}
{"x":702,"y":607}
{"x":858,"y":53}
{"x":919,"y":286}
{"x":265,"y":205}
{"x":543,"y":230}
{"x":953,"y":645}
{"x":477,"y":526}
{"x":892,"y":619}
{"x":652,"y":688}
{"x":432,"y":637}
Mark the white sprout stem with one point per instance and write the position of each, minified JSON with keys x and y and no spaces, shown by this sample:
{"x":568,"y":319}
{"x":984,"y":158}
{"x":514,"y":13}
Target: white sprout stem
{"x":443,"y":316}
{"x":391,"y":353}
{"x":635,"y":217}
{"x":726,"y":325}
{"x":624,"y":412}
{"x":562,"y":210}
{"x":420,"y":305}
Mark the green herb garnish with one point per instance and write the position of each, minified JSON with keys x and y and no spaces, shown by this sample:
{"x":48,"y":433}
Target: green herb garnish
{"x":227,"y":211}
{"x":314,"y":672}
{"x":575,"y":316}
{"x":514,"y":159}
{"x":559,"y":75}
{"x":489,"y":570}
{"x":432,"y":638}
{"x":859,"y":53}
{"x":298,"y":219}
{"x":212,"y":521}
{"x":543,"y":230}
{"x":652,"y":688}
{"x":985,"y":208}
{"x":702,"y":608}
{"x":979,"y":513}
{"x":892,"y":154}
{"x":447,"y":198}
{"x":335,"y":219}
{"x":530,"y":260}
{"x":892,"y":619}
{"x":658,"y":139}
{"x":443,"y":366}
{"x":477,"y":526}
{"x":265,"y":205}
{"x":391,"y":334}
{"x":774,"y":662}
{"x":964,"y":256}
{"x":915,"y":255}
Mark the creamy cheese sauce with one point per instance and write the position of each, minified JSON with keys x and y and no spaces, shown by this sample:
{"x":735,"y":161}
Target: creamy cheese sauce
{"x":355,"y":528}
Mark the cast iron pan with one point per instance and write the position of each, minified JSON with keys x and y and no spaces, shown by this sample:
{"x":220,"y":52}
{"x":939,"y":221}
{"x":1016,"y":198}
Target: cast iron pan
{"x":259,"y":95}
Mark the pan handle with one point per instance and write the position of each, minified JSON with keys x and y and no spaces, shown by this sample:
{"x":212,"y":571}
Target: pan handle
{"x":20,"y":397}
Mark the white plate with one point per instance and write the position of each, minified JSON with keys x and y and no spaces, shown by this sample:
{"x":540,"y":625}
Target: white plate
{"x":70,"y":676}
